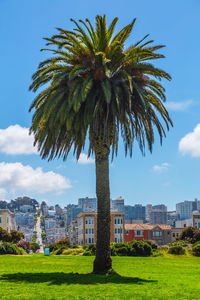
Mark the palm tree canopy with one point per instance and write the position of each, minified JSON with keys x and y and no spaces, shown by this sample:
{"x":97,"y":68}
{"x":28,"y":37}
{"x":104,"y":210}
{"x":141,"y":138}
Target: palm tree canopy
{"x":97,"y":87}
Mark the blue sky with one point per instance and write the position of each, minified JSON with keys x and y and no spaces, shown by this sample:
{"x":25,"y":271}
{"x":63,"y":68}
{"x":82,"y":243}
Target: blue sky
{"x":171,"y":173}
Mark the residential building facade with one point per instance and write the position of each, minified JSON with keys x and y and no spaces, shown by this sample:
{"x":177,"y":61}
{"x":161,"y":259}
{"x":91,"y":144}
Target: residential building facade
{"x":6,"y":219}
{"x":87,"y":227}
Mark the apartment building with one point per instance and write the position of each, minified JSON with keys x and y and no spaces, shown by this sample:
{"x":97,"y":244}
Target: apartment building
{"x":87,"y":227}
{"x":160,"y":234}
{"x":6,"y":219}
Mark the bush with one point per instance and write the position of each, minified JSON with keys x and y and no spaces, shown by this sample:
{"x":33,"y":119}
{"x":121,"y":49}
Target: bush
{"x":177,"y":250}
{"x":24,"y":245}
{"x":55,"y":246}
{"x":34,"y":246}
{"x":196,"y":250}
{"x":9,"y":248}
{"x":134,"y":248}
{"x":73,"y":252}
{"x":152,"y":244}
{"x":88,"y":253}
{"x":179,"y":243}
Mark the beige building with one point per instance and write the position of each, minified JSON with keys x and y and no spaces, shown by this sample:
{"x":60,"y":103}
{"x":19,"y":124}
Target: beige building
{"x":175,"y":232}
{"x":87,"y":227}
{"x":6,"y":219}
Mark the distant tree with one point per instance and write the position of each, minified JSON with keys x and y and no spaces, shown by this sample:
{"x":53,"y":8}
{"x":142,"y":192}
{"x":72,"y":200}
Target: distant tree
{"x":16,"y":236}
{"x":4,"y":235}
{"x":190,"y":234}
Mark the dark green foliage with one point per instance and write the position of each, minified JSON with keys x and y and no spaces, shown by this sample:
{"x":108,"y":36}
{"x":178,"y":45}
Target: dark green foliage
{"x":152,"y":244}
{"x":177,"y":250}
{"x":135,"y":248}
{"x":13,"y":237}
{"x":190,"y":234}
{"x":34,"y":246}
{"x":65,"y":243}
{"x":89,"y":249}
{"x":16,"y":236}
{"x":9,"y":248}
{"x":196,"y":250}
{"x":97,"y":87}
{"x":179,"y":243}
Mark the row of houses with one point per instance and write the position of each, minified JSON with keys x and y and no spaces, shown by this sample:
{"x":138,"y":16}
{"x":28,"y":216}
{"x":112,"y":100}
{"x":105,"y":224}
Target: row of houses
{"x":83,"y":230}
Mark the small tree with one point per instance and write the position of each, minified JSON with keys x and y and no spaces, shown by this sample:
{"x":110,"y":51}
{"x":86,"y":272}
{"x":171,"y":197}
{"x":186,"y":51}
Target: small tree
{"x":16,"y":236}
{"x":4,"y":235}
{"x":190,"y":234}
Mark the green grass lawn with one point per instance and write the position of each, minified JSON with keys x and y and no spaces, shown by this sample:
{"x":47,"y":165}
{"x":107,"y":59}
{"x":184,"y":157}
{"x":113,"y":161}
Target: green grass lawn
{"x":62,"y":277}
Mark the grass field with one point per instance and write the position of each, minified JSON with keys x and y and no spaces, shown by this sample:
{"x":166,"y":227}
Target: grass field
{"x":39,"y":277}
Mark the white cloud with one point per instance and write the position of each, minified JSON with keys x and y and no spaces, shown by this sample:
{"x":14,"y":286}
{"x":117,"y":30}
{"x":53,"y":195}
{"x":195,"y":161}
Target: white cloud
{"x":161,"y":168}
{"x":17,"y":177}
{"x":84,"y":160}
{"x":190,"y":143}
{"x":16,"y":140}
{"x":179,"y":106}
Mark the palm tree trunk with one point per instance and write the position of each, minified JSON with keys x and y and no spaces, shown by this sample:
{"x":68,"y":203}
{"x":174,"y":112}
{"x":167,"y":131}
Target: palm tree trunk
{"x":102,"y":262}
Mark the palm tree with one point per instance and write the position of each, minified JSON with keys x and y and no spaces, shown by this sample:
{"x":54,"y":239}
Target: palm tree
{"x":98,"y":89}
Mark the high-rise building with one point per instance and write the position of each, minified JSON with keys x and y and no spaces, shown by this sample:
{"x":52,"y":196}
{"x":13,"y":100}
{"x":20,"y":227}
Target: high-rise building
{"x":185,"y":209}
{"x":87,"y":204}
{"x":117,"y":204}
{"x":72,"y":212}
{"x":136,"y":212}
{"x":158,"y":217}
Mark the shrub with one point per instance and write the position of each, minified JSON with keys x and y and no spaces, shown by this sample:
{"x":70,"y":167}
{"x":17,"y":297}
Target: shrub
{"x":177,"y":250}
{"x":134,"y":248}
{"x":73,"y":252}
{"x":34,"y":246}
{"x":88,"y":253}
{"x":9,"y":248}
{"x":196,"y":250}
{"x":179,"y":243}
{"x":24,"y":245}
{"x":55,"y":246}
{"x":152,"y":244}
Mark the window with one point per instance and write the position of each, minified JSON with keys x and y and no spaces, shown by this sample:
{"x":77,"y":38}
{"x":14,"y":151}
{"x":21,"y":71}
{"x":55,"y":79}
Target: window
{"x":92,"y":220}
{"x":157,"y":233}
{"x":92,"y":240}
{"x":173,"y":234}
{"x":121,"y":221}
{"x":127,"y":232}
{"x":86,"y":241}
{"x":89,"y":242}
{"x":177,"y":234}
{"x":86,"y":231}
{"x":115,"y":221}
{"x":89,"y":221}
{"x":86,"y":221}
{"x":115,"y":230}
{"x":0,"y":219}
{"x":89,"y":230}
{"x":138,"y":233}
{"x":92,"y":230}
{"x":115,"y":240}
{"x":119,"y":230}
{"x":118,"y":221}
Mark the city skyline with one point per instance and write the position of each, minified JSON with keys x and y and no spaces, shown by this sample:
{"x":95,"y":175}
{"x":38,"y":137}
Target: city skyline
{"x":169,"y":176}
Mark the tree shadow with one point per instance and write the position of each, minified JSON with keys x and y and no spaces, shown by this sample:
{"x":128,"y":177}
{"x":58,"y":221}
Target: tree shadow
{"x":59,"y":278}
